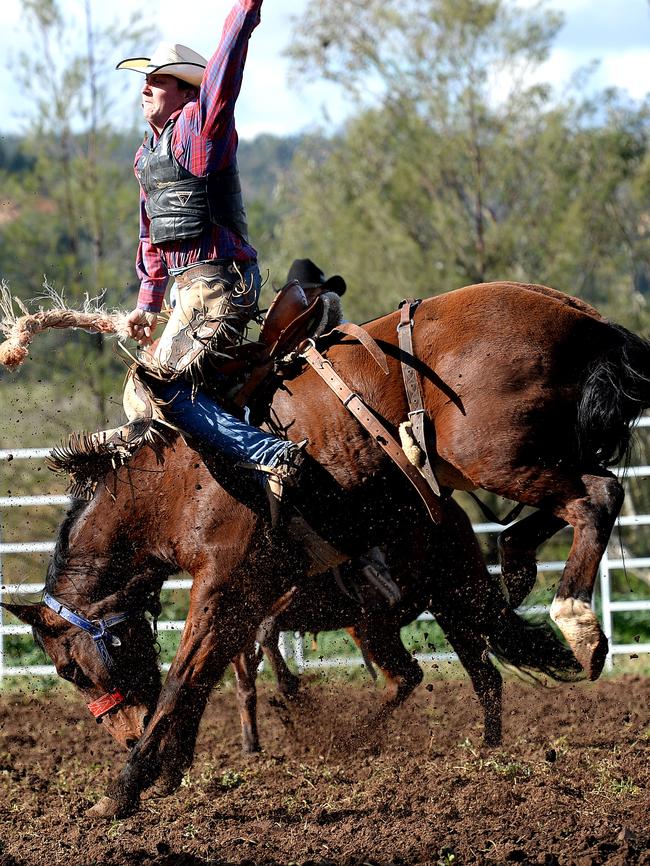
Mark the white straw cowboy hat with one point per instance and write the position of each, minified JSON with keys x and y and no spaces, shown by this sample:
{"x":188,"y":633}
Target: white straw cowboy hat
{"x":170,"y":59}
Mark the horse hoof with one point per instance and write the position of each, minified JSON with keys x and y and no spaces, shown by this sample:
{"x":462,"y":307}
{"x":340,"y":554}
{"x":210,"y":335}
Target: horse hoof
{"x":592,"y":657}
{"x":580,"y":627}
{"x":107,"y":807}
{"x":597,"y":661}
{"x":290,"y":687}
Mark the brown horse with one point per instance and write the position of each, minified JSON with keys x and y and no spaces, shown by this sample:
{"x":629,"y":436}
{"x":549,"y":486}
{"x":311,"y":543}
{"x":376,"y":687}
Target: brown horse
{"x":113,"y":554}
{"x":530,"y":394}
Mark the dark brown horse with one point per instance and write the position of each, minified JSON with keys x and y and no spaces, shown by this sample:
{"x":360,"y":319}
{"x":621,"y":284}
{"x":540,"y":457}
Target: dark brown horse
{"x":440,"y":570}
{"x":530,"y":394}
{"x":113,"y":554}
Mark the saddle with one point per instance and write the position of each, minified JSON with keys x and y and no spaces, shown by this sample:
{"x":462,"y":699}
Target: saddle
{"x":297,"y":314}
{"x":249,"y":374}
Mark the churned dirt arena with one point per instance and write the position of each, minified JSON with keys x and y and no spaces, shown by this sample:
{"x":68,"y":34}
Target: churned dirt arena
{"x":570,"y":785}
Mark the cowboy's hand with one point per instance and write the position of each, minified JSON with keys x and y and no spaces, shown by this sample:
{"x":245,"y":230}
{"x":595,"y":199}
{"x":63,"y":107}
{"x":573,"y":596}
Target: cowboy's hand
{"x":141,"y":326}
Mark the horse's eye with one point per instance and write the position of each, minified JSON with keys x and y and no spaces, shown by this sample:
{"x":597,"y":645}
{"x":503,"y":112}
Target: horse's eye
{"x":73,"y":674}
{"x":68,"y":672}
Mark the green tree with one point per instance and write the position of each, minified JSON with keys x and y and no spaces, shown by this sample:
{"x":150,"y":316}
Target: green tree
{"x":76,"y":210}
{"x":457,"y":168}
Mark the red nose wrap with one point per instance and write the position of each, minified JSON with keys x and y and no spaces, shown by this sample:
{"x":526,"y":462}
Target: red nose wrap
{"x":102,"y":705}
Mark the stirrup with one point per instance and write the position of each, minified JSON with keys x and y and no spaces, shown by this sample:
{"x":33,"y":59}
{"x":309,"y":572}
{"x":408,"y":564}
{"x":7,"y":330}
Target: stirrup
{"x":375,"y":569}
{"x":276,"y":478}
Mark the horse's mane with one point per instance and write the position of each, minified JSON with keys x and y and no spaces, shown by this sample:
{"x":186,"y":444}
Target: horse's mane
{"x":87,"y":461}
{"x":62,"y":544}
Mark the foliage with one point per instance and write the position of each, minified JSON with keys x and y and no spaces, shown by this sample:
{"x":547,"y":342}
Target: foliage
{"x":458,"y":167}
{"x":74,"y":211}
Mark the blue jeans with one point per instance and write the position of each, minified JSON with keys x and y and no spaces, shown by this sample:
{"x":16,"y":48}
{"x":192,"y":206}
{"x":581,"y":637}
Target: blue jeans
{"x":207,"y":422}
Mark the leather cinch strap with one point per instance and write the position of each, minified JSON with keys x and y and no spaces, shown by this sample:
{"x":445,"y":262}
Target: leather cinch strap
{"x":373,"y":425}
{"x":412,"y":387}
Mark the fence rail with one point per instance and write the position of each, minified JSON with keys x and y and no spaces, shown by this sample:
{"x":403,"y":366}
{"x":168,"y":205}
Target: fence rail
{"x":295,"y":647}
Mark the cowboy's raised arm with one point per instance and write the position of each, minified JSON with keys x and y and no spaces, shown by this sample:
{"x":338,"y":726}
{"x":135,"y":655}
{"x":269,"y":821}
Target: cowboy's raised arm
{"x":211,"y":117}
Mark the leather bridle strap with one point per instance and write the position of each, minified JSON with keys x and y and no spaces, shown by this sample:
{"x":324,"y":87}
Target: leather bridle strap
{"x":354,"y":404}
{"x":412,"y":387}
{"x":99,"y":631}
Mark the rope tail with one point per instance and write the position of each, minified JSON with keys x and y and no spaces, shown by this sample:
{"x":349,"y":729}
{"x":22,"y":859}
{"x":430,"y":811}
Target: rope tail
{"x":20,"y":330}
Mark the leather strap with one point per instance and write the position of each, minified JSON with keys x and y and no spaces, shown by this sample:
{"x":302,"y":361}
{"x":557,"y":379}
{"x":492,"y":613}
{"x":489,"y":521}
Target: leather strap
{"x":106,"y":703}
{"x":412,"y":387}
{"x":366,"y":341}
{"x":354,"y":404}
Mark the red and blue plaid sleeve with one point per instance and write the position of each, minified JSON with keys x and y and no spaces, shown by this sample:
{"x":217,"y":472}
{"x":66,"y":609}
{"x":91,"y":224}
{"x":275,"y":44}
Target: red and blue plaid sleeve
{"x":204,"y":136}
{"x":204,"y":140}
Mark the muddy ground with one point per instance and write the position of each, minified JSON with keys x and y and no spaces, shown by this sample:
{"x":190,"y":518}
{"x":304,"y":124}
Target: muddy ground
{"x":570,"y":784}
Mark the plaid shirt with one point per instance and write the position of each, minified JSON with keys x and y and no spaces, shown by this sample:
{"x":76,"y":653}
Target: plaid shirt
{"x":204,"y":140}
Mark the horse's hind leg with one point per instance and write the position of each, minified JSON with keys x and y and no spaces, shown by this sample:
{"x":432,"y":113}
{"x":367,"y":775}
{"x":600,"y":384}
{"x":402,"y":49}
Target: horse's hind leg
{"x":592,"y":516}
{"x":517,"y":552}
{"x":471,"y":649}
{"x":245,"y":667}
{"x":269,"y":636}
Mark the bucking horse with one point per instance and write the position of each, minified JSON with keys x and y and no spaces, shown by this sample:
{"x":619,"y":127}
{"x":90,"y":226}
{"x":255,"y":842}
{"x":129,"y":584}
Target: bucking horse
{"x":528,"y":392}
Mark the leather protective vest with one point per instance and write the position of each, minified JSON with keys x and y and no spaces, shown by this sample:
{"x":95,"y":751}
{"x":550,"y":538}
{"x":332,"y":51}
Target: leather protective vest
{"x":181,"y":205}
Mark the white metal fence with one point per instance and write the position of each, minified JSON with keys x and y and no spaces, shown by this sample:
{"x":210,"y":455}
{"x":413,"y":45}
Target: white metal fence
{"x":295,"y":647}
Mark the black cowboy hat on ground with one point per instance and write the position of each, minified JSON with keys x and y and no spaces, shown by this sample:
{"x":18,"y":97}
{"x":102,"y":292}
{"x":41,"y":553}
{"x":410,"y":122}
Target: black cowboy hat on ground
{"x":310,"y":275}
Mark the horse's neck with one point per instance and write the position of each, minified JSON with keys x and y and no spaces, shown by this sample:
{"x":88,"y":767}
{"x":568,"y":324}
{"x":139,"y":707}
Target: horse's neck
{"x":113,"y":538}
{"x":81,"y":572}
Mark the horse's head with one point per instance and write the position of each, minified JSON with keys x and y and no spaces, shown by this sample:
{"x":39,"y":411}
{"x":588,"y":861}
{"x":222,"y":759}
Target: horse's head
{"x":110,"y":658}
{"x":91,"y":622}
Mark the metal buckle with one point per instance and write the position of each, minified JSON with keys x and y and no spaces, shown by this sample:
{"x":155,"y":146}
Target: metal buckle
{"x":350,"y":398}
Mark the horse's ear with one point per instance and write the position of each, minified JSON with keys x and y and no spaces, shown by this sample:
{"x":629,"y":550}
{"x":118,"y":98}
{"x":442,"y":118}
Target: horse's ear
{"x":38,"y":615}
{"x":32,"y":614}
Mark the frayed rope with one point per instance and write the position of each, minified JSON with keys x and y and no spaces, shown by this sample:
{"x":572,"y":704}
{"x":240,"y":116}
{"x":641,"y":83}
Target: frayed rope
{"x":20,"y":330}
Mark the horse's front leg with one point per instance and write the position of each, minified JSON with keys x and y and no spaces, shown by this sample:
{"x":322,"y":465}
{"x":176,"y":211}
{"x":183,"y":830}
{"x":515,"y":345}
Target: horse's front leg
{"x":218,"y":625}
{"x":592,"y":516}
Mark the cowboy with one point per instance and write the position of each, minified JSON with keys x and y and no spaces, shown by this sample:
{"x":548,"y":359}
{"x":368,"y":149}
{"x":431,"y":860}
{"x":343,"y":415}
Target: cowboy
{"x":193,"y":228}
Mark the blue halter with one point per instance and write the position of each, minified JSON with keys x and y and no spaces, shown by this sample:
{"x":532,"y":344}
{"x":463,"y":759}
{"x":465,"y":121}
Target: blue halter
{"x":98,"y":629}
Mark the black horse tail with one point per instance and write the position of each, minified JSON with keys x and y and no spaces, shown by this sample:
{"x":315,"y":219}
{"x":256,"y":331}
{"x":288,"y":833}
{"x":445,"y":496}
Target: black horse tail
{"x":615,"y":392}
{"x":532,"y":648}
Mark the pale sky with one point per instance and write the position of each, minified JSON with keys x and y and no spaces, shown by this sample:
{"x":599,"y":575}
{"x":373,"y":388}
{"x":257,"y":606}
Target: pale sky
{"x":615,"y":32}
